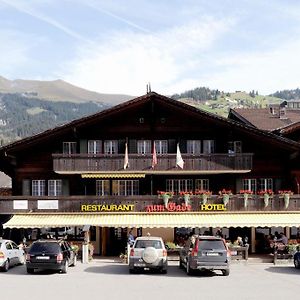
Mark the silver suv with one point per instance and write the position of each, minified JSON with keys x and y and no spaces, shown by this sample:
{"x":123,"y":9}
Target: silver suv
{"x":147,"y":253}
{"x":205,"y":253}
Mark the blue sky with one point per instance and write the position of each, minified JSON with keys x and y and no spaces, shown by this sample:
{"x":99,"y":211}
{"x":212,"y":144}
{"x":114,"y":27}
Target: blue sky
{"x":119,"y":46}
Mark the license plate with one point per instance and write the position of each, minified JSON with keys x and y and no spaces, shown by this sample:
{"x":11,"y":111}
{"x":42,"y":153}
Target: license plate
{"x":212,"y":254}
{"x":139,"y":265}
{"x":43,"y":257}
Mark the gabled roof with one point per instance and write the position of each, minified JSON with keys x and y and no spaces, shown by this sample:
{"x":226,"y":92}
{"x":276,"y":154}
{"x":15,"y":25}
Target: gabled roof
{"x":149,"y":97}
{"x":262,"y":118}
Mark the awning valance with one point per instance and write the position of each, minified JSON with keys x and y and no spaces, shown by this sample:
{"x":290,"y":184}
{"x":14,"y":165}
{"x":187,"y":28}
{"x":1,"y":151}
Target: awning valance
{"x":112,"y":175}
{"x":155,"y":220}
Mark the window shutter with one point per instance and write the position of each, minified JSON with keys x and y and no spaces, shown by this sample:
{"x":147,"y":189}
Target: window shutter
{"x":121,"y":146}
{"x":132,"y":147}
{"x":65,"y":187}
{"x":171,"y":146}
{"x":83,"y":146}
{"x":26,"y":187}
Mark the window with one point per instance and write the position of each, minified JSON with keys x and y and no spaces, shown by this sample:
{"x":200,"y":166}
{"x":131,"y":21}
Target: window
{"x":202,"y":184}
{"x":144,"y":146}
{"x":38,"y":187}
{"x":249,"y":185}
{"x":94,"y":146}
{"x":235,"y":147}
{"x":265,"y":184}
{"x":194,"y":146}
{"x":208,"y":146}
{"x":55,"y":187}
{"x":111,"y":147}
{"x":179,"y":185}
{"x":125,"y":187}
{"x":161,"y":146}
{"x":69,"y":148}
{"x":102,"y":187}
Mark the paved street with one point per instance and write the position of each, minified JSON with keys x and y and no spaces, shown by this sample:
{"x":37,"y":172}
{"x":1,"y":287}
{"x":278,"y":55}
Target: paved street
{"x":106,"y":279}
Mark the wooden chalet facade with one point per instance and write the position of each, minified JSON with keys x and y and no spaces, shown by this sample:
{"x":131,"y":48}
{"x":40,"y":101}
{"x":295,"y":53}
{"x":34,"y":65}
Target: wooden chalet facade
{"x":105,"y":170}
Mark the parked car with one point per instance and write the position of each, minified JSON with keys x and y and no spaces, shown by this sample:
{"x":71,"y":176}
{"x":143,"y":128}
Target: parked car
{"x":147,"y":253}
{"x":50,"y":255}
{"x":205,"y":253}
{"x":10,"y":254}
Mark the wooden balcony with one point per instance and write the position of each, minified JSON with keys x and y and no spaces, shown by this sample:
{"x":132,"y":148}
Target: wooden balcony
{"x":217,"y":162}
{"x":23,"y":204}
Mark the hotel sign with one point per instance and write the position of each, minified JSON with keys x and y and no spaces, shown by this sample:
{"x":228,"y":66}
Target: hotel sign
{"x":214,"y":207}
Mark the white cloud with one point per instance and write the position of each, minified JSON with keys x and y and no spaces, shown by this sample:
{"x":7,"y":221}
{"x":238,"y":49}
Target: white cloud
{"x":126,"y":62}
{"x":266,"y":71}
{"x":14,"y":52}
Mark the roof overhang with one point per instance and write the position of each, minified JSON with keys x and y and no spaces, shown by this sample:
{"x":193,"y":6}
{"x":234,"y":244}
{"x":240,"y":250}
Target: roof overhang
{"x":156,"y":220}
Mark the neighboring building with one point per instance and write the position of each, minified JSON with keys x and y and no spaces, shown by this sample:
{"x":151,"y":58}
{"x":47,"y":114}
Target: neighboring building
{"x":104,"y":170}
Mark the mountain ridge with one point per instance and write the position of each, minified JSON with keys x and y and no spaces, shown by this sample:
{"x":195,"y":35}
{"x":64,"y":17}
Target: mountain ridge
{"x":58,"y":90}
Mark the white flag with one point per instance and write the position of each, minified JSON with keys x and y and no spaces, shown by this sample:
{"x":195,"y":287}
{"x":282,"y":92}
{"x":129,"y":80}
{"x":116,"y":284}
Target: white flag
{"x":179,"y":160}
{"x":126,"y":160}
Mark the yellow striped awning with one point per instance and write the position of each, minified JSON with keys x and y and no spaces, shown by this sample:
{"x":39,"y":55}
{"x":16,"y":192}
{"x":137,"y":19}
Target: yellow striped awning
{"x":155,"y":220}
{"x":114,"y":175}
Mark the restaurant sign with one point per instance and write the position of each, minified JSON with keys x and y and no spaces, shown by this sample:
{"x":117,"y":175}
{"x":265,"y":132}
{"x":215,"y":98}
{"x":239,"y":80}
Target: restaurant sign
{"x":106,"y":207}
{"x":171,"y":207}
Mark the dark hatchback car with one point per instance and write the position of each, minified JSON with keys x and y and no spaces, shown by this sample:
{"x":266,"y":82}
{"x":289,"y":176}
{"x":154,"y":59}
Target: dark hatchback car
{"x":205,"y":253}
{"x":50,"y":255}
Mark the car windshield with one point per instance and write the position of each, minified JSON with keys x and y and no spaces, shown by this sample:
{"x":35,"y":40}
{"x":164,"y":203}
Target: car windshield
{"x":211,"y":245}
{"x":45,"y":247}
{"x":149,"y":243}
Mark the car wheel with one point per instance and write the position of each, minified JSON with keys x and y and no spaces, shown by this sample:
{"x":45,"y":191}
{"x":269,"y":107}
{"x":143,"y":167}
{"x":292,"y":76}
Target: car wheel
{"x":296,"y":263}
{"x":225,"y":272}
{"x":75,"y":261}
{"x":131,"y":271}
{"x":5,"y":266}
{"x":30,"y":270}
{"x":65,"y":267}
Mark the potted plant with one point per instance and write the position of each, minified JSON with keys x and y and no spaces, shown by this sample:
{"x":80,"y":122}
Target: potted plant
{"x":266,"y":194}
{"x":246,"y":194}
{"x":225,"y":194}
{"x":186,"y":196}
{"x":286,"y":194}
{"x":166,"y":196}
{"x":204,"y":195}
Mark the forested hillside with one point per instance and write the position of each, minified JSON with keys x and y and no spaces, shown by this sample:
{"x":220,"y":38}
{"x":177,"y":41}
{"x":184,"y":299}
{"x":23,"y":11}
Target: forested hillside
{"x":22,"y":116}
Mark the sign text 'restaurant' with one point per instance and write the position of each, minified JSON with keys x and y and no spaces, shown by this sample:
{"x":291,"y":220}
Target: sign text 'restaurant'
{"x":107,"y":207}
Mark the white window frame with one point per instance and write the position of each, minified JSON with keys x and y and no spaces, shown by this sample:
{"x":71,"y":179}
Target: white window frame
{"x":265,"y":184}
{"x":111,"y":147}
{"x":38,"y":187}
{"x":179,"y":185}
{"x":234,"y":147}
{"x":161,"y":146}
{"x":208,"y":146}
{"x":102,"y":188}
{"x":54,"y":187}
{"x":69,"y":148}
{"x":94,"y":146}
{"x":144,"y":146}
{"x":250,"y":184}
{"x":193,"y":147}
{"x":125,"y":187}
{"x":202,"y":184}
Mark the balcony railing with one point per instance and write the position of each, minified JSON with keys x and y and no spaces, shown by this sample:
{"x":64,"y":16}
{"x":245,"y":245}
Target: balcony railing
{"x":137,"y":162}
{"x":22,"y":204}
